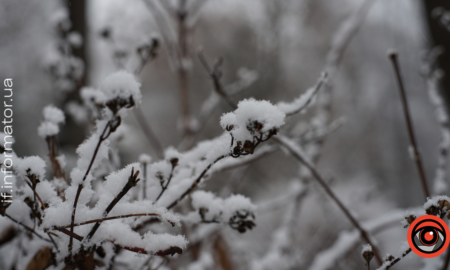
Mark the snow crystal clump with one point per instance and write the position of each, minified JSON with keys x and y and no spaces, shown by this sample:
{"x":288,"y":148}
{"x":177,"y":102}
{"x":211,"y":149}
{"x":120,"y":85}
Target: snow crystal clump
{"x":47,"y":129}
{"x":144,"y":158}
{"x":53,"y":115}
{"x":252,"y":117}
{"x":30,"y":165}
{"x":366,"y":248}
{"x":122,"y":85}
{"x":208,"y":205}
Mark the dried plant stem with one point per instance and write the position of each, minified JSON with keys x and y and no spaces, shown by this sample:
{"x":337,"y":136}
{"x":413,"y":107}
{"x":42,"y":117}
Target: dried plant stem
{"x":183,"y":82}
{"x":330,"y":193}
{"x":396,"y":260}
{"x":36,"y":194}
{"x":117,"y":217}
{"x":27,"y":228}
{"x":132,"y":181}
{"x":43,"y":207}
{"x":215,"y":77}
{"x":409,"y":124}
{"x":164,"y":187}
{"x":53,"y":153}
{"x":102,"y":137}
{"x":195,"y":183}
{"x":144,"y":184}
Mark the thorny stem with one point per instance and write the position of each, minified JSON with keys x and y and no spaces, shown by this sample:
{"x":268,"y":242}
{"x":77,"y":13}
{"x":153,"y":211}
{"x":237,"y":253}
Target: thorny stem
{"x":117,"y":217}
{"x":80,"y":186}
{"x":27,"y":228}
{"x":409,"y":124}
{"x":132,"y":181}
{"x":331,"y":194}
{"x":164,"y":187}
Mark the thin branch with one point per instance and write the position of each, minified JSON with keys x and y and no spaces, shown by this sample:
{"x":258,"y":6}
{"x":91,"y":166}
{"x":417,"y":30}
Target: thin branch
{"x":116,"y":217}
{"x":43,"y":206}
{"x":144,"y":183}
{"x":388,"y":265}
{"x":323,"y":78}
{"x":27,"y":228}
{"x":52,"y":144}
{"x":195,"y":183}
{"x":299,"y":156}
{"x":215,"y":75}
{"x":409,"y":125}
{"x":102,"y":137}
{"x":36,"y":194}
{"x":132,"y":181}
{"x":164,"y":187}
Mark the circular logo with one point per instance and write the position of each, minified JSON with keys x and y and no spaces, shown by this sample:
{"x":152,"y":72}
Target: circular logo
{"x":428,"y":236}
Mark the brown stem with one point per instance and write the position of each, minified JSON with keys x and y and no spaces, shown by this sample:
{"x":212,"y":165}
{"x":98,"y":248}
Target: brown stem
{"x":164,"y":187}
{"x":132,"y":181}
{"x":182,"y":69}
{"x":117,"y":217}
{"x":52,"y":144}
{"x":215,"y":77}
{"x":80,"y":186}
{"x":409,"y":124}
{"x":331,"y":194}
{"x":36,"y":194}
{"x":396,"y":260}
{"x":144,"y":186}
{"x":27,"y":228}
{"x":196,"y":182}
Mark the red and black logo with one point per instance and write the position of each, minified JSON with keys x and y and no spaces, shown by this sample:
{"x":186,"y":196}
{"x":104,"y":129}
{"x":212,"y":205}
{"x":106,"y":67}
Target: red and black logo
{"x":428,"y":236}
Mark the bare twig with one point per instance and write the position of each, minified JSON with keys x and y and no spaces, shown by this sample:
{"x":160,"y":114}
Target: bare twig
{"x":389,"y":264}
{"x":164,"y":187}
{"x":215,"y":74}
{"x":328,"y":191}
{"x":132,"y":181}
{"x":409,"y":125}
{"x":117,"y":217}
{"x":195,"y":183}
{"x":52,"y":144}
{"x":102,"y":138}
{"x":27,"y":228}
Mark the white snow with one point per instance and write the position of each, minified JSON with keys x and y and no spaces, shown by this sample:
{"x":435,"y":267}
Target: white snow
{"x":121,"y":84}
{"x":35,"y":164}
{"x":48,"y":129}
{"x":53,"y":114}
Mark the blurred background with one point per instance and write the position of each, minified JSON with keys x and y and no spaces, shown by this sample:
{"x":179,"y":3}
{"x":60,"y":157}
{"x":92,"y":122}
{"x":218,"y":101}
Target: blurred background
{"x":277,"y":49}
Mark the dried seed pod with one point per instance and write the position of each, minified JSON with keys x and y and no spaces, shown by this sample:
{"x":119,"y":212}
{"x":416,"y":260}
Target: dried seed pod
{"x":367,"y":253}
{"x":409,"y":219}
